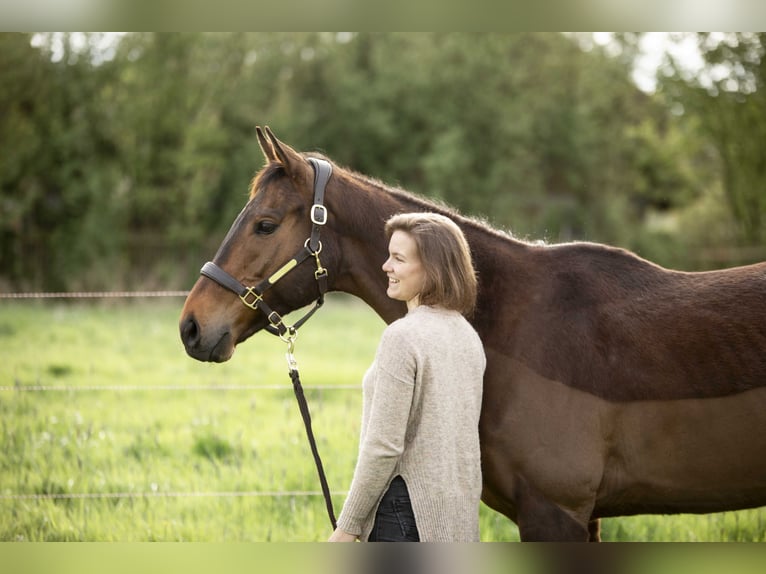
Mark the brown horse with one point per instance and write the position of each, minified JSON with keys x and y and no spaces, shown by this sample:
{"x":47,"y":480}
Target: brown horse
{"x":613,"y":386}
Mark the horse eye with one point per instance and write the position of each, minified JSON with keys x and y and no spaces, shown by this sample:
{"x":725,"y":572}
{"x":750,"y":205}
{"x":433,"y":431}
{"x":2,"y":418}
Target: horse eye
{"x":265,"y":227}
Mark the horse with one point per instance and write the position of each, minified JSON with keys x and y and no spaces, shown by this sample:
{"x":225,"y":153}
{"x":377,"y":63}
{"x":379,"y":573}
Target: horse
{"x":613,"y":386}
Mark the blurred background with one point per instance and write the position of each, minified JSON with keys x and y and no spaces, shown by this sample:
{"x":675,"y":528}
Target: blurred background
{"x":125,"y":157}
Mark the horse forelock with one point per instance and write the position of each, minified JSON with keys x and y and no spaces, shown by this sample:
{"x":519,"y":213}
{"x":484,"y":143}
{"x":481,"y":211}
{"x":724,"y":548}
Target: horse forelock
{"x":272,"y":172}
{"x":269,"y":174}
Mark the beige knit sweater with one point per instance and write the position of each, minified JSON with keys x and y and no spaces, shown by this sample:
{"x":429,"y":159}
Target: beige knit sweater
{"x":420,"y":417}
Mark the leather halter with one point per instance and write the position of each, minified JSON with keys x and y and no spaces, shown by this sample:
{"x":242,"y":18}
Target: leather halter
{"x":252,"y":296}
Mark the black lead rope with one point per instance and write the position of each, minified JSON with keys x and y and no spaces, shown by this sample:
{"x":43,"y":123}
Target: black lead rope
{"x":304,"y":408}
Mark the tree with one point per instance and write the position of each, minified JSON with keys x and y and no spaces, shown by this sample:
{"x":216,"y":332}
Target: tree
{"x":728,"y":96}
{"x":141,"y":161}
{"x":57,"y":160}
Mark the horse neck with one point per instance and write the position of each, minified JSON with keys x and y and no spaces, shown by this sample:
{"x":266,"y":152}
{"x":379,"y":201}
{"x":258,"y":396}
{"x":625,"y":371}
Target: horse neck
{"x":362,"y":206}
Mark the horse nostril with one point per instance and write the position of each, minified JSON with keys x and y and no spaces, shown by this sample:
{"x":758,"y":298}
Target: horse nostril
{"x":190,"y":332}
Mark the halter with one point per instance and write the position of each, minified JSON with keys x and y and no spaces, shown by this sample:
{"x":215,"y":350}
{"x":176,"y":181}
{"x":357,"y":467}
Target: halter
{"x":252,"y":297}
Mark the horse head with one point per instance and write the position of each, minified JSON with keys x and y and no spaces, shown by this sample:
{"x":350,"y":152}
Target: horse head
{"x":274,"y":241}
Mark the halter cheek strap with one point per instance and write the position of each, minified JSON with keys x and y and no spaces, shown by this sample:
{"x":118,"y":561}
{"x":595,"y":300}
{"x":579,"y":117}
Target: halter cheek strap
{"x":252,"y":296}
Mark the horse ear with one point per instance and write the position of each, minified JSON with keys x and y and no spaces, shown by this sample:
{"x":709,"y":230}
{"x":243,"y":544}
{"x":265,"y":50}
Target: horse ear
{"x":265,"y":144}
{"x":295,"y":165}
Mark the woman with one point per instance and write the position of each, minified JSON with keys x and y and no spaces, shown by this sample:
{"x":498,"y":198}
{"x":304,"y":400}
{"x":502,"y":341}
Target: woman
{"x":418,"y":476}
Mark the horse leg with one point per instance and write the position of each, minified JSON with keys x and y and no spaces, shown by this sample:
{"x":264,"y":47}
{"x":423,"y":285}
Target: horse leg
{"x":541,"y":520}
{"x":594,"y":530}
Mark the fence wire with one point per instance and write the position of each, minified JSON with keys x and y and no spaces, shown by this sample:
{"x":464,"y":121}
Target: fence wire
{"x":94,"y":295}
{"x":120,"y":388}
{"x":83,"y":388}
{"x":157,"y":494}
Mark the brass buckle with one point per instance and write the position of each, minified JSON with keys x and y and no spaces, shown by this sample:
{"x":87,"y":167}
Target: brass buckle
{"x":256,"y":298}
{"x":321,"y":271}
{"x":275,"y":320}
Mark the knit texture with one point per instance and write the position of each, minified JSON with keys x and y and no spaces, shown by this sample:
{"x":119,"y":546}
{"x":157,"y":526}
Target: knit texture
{"x":420,"y":419}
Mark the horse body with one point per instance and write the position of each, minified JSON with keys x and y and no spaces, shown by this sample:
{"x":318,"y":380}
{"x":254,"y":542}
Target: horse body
{"x":613,"y":386}
{"x":616,"y":387}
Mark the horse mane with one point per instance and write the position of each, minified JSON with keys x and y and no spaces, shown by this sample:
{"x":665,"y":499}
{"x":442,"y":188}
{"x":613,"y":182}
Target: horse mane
{"x":273,"y":171}
{"x":422,"y":203}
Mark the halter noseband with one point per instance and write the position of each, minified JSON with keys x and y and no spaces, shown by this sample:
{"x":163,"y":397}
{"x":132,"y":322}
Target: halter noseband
{"x":252,"y":297}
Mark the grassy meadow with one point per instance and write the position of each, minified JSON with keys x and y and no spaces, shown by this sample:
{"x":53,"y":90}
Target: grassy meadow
{"x":166,"y":448}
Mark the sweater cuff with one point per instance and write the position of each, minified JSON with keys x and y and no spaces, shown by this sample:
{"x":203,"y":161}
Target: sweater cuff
{"x":356,"y":512}
{"x":349,"y":526}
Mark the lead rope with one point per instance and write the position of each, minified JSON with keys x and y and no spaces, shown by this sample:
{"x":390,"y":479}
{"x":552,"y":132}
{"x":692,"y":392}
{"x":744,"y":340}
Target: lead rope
{"x":304,"y":408}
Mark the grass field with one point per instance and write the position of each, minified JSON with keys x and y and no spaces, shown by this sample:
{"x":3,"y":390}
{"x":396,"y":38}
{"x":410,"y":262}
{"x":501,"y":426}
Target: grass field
{"x":167,"y":446}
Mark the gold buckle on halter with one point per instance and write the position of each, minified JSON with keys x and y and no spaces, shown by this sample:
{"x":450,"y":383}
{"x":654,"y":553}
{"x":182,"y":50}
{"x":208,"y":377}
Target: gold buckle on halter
{"x":256,"y":298}
{"x":275,"y":320}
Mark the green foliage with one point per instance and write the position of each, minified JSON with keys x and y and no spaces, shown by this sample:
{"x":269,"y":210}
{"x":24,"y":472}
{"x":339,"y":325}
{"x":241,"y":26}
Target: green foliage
{"x":125,"y":169}
{"x":54,"y":133}
{"x":728,"y":100}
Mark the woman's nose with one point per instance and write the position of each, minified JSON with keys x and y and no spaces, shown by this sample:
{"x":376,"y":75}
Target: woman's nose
{"x":386,"y":266}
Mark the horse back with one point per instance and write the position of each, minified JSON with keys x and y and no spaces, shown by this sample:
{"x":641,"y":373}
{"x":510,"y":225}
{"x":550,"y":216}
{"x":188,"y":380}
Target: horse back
{"x":609,"y":323}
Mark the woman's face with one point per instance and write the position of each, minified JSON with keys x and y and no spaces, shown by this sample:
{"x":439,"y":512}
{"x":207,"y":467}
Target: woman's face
{"x":404,"y":269}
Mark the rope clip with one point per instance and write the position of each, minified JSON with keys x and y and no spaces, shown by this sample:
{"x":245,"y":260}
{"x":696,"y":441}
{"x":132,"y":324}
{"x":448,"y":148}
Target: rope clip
{"x":289,"y":338}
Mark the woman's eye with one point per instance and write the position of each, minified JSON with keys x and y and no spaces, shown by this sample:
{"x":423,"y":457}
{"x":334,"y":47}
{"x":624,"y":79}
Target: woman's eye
{"x":265,"y":227}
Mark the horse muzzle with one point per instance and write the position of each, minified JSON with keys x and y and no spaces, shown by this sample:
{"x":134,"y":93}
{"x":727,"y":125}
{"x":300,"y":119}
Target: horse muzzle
{"x":215,"y":347}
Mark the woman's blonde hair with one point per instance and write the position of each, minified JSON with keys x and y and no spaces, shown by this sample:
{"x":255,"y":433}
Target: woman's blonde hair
{"x":446,"y":259}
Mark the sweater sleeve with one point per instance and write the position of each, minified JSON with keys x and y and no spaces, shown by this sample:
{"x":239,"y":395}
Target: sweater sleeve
{"x":383,"y":439}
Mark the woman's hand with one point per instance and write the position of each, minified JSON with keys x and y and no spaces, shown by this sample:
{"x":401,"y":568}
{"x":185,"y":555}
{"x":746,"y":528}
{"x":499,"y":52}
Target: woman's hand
{"x":341,"y":536}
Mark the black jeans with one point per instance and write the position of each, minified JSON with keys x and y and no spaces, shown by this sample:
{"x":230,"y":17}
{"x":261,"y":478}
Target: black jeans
{"x":395,"y":520}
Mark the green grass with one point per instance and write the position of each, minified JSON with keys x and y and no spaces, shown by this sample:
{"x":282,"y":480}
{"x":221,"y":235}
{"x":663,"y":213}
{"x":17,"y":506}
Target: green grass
{"x":161,"y":440}
{"x":148,"y":437}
